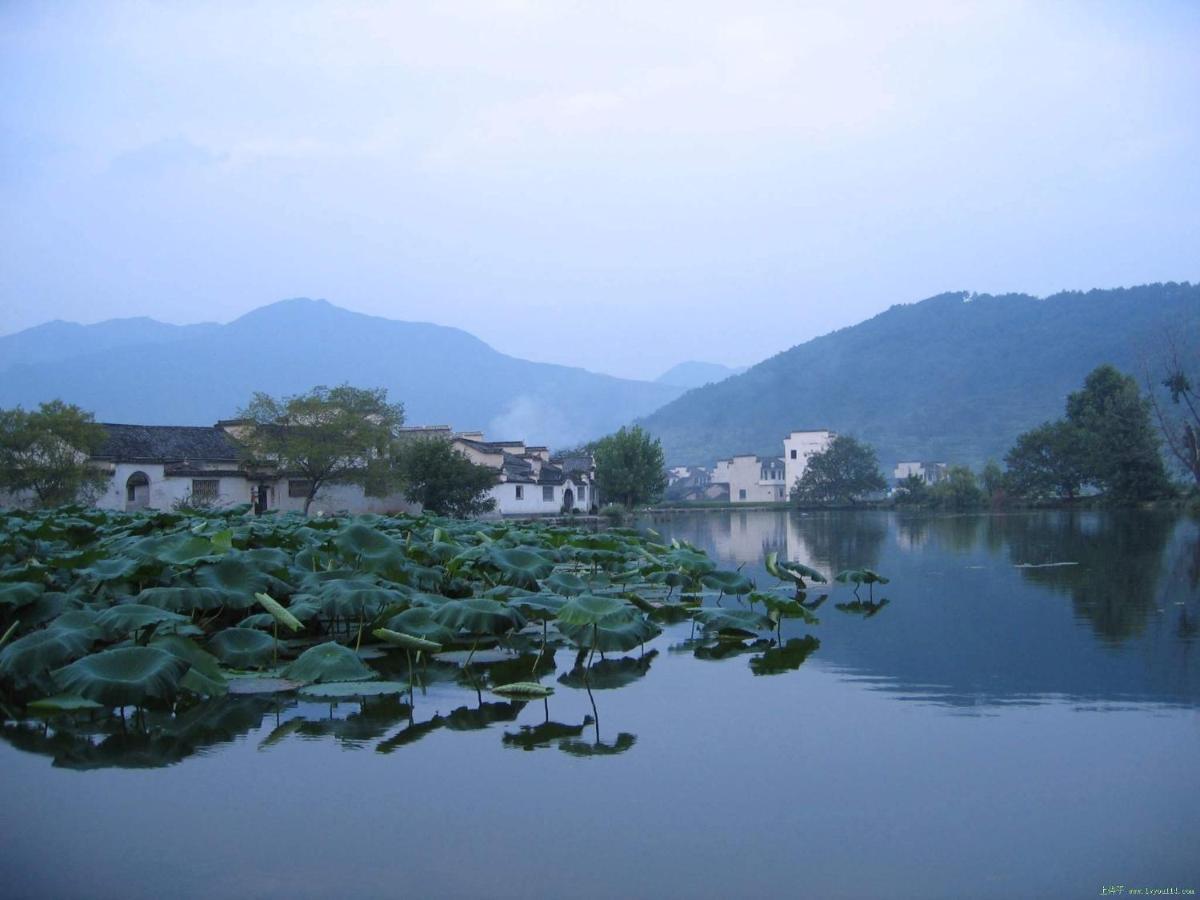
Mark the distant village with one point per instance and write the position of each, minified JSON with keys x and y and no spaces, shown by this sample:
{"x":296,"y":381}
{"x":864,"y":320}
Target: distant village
{"x":748,"y":478}
{"x":164,"y":466}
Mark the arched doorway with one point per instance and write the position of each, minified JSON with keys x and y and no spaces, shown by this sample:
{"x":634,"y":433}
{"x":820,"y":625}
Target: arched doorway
{"x":137,"y":491}
{"x":568,"y":500}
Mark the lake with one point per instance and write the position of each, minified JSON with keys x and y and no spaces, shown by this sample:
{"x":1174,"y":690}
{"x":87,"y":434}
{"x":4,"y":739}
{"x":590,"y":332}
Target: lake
{"x":1019,"y":718}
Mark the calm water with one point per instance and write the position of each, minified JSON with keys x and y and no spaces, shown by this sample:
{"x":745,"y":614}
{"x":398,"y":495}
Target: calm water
{"x":1006,"y":725}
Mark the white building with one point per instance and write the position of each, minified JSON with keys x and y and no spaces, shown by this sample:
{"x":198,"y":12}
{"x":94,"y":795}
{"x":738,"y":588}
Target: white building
{"x":752,"y":479}
{"x":162,"y":466}
{"x":529,"y":482}
{"x":798,"y":447}
{"x":929,"y":472}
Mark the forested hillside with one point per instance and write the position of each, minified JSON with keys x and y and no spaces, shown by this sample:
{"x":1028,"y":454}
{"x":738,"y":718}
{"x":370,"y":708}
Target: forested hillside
{"x":953,"y":378}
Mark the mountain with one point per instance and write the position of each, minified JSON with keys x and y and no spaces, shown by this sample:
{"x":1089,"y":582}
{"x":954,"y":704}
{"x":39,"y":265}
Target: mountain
{"x":692,"y":374}
{"x":954,"y":378}
{"x":57,"y":340}
{"x":442,"y":375}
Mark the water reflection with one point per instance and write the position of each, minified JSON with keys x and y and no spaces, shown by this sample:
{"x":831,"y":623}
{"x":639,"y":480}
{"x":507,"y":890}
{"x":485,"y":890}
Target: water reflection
{"x":982,"y":612}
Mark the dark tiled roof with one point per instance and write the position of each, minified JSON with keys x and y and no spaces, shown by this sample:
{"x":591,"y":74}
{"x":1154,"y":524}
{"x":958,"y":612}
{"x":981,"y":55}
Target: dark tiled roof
{"x":573,"y":464}
{"x":550,"y":475}
{"x":165,"y":443}
{"x":517,"y":470}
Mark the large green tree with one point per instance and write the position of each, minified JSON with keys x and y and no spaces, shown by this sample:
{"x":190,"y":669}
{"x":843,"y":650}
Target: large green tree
{"x":629,"y":467}
{"x":1047,"y":462}
{"x":1121,"y":451}
{"x":327,"y":435}
{"x":841,"y":474}
{"x":442,"y":480}
{"x":46,"y":452}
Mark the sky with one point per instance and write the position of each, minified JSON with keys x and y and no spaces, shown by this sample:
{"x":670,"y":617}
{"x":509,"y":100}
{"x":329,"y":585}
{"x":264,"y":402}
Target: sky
{"x":618,"y":186}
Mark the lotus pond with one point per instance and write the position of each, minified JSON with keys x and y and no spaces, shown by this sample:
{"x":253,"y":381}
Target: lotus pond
{"x":231,"y":706}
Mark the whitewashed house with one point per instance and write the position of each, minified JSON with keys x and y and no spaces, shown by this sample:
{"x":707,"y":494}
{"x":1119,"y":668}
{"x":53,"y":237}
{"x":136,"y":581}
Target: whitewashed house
{"x":163,"y":466}
{"x":928,"y":472}
{"x":752,"y":479}
{"x":769,"y":479}
{"x":798,"y":448}
{"x":529,"y":482}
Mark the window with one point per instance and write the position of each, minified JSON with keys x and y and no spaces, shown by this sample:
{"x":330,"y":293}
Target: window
{"x":205,"y":490}
{"x":742,"y":494}
{"x":520,"y":492}
{"x":298,"y":487}
{"x":582,"y":492}
{"x":548,"y":493}
{"x":793,"y":454}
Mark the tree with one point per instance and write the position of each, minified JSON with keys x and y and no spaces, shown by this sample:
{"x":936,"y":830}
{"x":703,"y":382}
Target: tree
{"x":1179,"y":423}
{"x":630,"y":468}
{"x":1121,"y":454}
{"x":442,"y":480}
{"x":47,"y":452}
{"x":992,"y":481}
{"x":846,"y":470}
{"x":912,"y":491}
{"x":959,"y":490}
{"x":1048,"y":461}
{"x":328,"y":435}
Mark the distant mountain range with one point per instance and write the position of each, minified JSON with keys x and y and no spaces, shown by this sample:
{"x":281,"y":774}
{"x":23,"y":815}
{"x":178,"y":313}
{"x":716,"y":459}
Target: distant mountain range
{"x":954,"y":378}
{"x":147,"y":372}
{"x":692,"y":374}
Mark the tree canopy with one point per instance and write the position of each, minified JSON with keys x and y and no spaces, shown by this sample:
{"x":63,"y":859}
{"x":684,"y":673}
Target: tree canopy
{"x":46,"y":452}
{"x":442,"y":480}
{"x":327,"y":435}
{"x":841,"y":474}
{"x":630,"y":468}
{"x":1106,"y":440}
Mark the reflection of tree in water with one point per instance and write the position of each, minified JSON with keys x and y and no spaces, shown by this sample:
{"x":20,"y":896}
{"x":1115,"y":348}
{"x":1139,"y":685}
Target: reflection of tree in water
{"x":957,"y":533}
{"x":841,"y":540}
{"x":1119,"y":563}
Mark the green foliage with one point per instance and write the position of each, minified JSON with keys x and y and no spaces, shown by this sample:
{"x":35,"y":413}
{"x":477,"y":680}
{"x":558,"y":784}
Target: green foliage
{"x":1106,"y":440}
{"x":442,"y":480}
{"x":1047,"y":461}
{"x":325,"y":436}
{"x":124,"y":676}
{"x":1121,"y":449}
{"x":1179,"y":420}
{"x":845,"y":471}
{"x":630,"y":468}
{"x":912,"y":491}
{"x":958,"y":491}
{"x":328,"y":662}
{"x":46,"y":452}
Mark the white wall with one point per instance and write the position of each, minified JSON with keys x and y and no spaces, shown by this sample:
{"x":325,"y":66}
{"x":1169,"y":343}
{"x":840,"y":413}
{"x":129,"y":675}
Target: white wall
{"x":798,"y":447}
{"x":745,"y":475}
{"x":531,"y":503}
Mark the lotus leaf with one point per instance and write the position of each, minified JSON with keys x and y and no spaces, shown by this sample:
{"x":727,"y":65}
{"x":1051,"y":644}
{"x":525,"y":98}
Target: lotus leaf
{"x":184,"y":598}
{"x":566,"y":584}
{"x":727,"y":582}
{"x":407,"y":641}
{"x":735,"y":621}
{"x":123,"y":677}
{"x":478,"y":616}
{"x":281,"y":615}
{"x":26,"y":661}
{"x":243,"y":648}
{"x":340,"y":690}
{"x":64,"y":703}
{"x":129,"y":618}
{"x":19,"y":593}
{"x":328,"y":662}
{"x":419,"y":622}
{"x":523,"y":689}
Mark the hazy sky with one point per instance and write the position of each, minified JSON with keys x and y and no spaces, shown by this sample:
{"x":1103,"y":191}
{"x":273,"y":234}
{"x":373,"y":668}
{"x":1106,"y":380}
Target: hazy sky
{"x":617,"y":186}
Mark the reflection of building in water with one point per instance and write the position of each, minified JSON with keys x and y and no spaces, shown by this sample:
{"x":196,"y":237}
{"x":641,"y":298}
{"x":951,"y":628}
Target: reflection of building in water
{"x":747,"y":537}
{"x":799,"y":550}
